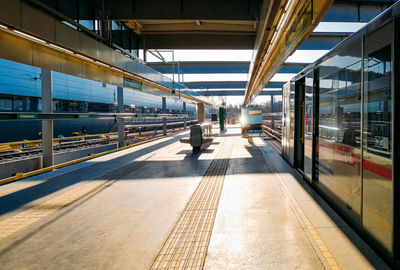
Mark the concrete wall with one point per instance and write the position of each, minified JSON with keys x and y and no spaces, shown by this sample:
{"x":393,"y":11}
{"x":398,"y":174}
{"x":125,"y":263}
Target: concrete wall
{"x":9,"y":169}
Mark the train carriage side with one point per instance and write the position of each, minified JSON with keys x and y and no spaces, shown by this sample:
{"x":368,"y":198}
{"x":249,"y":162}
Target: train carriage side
{"x":340,"y":129}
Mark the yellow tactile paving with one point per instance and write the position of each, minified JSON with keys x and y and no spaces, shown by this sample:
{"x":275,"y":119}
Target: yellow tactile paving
{"x":327,"y":257}
{"x":36,"y":212}
{"x":186,"y":245}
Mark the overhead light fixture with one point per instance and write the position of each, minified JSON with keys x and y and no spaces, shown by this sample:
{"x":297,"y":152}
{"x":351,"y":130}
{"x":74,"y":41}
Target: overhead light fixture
{"x":29,"y":36}
{"x":273,"y":38}
{"x":282,"y":20}
{"x":60,"y":48}
{"x":102,"y":64}
{"x":3,"y":26}
{"x":287,"y":5}
{"x":84,"y":57}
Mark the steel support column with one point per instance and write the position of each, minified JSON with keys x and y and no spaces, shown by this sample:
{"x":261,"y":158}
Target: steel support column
{"x":164,"y":105}
{"x":185,"y":118}
{"x":47,"y":125}
{"x":164,"y":125}
{"x":120,"y":121}
{"x":272,"y":103}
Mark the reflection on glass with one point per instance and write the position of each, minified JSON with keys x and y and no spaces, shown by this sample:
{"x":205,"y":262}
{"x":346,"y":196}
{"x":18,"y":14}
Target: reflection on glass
{"x":377,"y":156}
{"x":338,"y":151}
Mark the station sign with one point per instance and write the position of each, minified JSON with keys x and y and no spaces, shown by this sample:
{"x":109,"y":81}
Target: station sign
{"x":26,"y":116}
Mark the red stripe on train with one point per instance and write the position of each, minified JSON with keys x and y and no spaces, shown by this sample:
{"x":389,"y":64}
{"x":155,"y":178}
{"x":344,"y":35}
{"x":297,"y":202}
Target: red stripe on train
{"x":378,"y":169}
{"x":373,"y":167}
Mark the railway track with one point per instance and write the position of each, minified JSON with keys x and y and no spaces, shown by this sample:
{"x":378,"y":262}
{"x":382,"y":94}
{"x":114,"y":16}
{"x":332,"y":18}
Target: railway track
{"x":272,"y":134}
{"x":133,"y":134}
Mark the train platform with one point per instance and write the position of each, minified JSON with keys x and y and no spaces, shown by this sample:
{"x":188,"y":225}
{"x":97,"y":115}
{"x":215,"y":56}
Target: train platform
{"x":234,"y":205}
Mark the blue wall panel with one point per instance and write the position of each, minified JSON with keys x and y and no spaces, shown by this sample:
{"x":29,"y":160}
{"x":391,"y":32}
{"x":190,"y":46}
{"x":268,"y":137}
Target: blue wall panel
{"x":19,"y":79}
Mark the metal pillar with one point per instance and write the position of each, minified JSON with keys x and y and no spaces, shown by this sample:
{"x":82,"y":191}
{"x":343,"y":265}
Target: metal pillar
{"x":200,"y":112}
{"x":272,"y":103}
{"x":120,"y":121}
{"x":185,"y":118}
{"x":164,"y":105}
{"x":164,"y":125}
{"x":47,"y":125}
{"x":164,"y":120}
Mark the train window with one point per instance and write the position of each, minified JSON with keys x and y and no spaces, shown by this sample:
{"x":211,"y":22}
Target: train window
{"x":61,"y":105}
{"x":377,"y":188}
{"x":379,"y":111}
{"x":5,"y":103}
{"x":350,"y":107}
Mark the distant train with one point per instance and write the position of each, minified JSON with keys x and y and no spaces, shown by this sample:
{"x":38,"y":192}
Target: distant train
{"x":251,"y":120}
{"x":20,"y":91}
{"x":341,"y":129}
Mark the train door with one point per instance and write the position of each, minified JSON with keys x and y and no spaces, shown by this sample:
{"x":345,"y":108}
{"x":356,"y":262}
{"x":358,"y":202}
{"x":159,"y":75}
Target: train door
{"x":308,"y":125}
{"x":285,"y":121}
{"x":291,"y":124}
{"x":377,"y":155}
{"x":299,"y":124}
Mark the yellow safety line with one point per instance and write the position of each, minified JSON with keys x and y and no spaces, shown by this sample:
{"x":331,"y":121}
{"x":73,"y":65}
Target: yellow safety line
{"x":20,"y":176}
{"x":327,"y":256}
{"x":187,"y":244}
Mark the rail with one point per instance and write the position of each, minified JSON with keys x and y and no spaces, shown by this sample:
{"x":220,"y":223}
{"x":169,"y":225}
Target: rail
{"x":273,"y":129}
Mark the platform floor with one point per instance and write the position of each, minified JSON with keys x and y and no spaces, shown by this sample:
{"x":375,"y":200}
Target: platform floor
{"x":234,"y":205}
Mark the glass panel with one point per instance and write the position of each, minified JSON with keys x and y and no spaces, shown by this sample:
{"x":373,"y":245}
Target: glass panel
{"x":338,"y":150}
{"x":377,"y":151}
{"x":308,"y":125}
{"x":89,"y":24}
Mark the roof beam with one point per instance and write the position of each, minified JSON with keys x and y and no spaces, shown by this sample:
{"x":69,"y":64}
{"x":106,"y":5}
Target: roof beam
{"x":237,"y":93}
{"x":227,"y":84}
{"x":355,"y":10}
{"x":219,"y":67}
{"x":199,"y":41}
{"x":317,"y":41}
{"x":183,"y":9}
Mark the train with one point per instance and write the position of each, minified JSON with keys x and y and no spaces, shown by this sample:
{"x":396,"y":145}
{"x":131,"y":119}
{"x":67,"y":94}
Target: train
{"x":251,"y":120}
{"x":20,"y":91}
{"x":340,"y":129}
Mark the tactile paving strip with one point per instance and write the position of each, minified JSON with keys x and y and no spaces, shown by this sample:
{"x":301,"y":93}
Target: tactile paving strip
{"x":187,"y":244}
{"x":34,"y":213}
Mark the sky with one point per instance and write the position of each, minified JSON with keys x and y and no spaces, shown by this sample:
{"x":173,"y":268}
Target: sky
{"x":299,"y":56}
